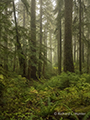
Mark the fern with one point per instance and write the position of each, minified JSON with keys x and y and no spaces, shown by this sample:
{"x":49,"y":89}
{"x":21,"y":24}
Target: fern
{"x":86,"y":116}
{"x":61,"y":118}
{"x":71,"y":112}
{"x":31,"y":117}
{"x":47,"y":110}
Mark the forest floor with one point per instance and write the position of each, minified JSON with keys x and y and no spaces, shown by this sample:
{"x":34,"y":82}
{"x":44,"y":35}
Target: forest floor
{"x":63,"y":97}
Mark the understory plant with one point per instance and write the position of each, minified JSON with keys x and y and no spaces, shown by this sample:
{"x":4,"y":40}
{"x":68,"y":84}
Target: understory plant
{"x":41,"y":99}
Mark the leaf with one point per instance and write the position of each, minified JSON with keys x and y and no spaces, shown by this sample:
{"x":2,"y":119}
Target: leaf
{"x":86,"y":116}
{"x":71,"y":112}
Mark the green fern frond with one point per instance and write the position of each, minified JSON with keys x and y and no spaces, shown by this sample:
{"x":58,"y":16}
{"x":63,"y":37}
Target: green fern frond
{"x":86,"y":116}
{"x":71,"y":112}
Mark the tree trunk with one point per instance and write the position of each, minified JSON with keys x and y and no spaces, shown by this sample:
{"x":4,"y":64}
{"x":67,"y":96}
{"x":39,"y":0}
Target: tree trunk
{"x":6,"y":51}
{"x":19,"y":49}
{"x":77,"y":44}
{"x":88,"y":59}
{"x":68,"y":58}
{"x":50,"y":38}
{"x":40,"y":63}
{"x":59,"y":48}
{"x":80,"y":56}
{"x":24,"y":42}
{"x":75,"y":48}
{"x":33,"y":59}
{"x":45,"y":52}
{"x":83,"y":34}
{"x":88,"y":51}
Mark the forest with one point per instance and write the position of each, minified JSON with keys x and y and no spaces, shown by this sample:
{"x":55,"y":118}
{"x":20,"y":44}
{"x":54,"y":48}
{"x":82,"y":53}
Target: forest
{"x":44,"y":59}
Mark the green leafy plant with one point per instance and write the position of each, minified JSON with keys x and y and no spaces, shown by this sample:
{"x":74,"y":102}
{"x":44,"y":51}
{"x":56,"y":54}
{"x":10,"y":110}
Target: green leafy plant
{"x":73,"y":114}
{"x":86,"y":116}
{"x":48,"y":109}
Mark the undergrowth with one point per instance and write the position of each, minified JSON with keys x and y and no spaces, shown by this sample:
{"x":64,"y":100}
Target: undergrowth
{"x":65,"y":93}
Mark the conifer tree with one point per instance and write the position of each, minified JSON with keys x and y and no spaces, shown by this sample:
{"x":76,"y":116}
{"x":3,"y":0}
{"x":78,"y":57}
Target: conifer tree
{"x":68,"y":58}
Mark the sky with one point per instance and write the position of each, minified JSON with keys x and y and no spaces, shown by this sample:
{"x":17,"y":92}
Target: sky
{"x":16,"y":1}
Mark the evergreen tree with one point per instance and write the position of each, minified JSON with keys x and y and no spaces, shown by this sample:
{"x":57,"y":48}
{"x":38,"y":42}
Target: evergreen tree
{"x":33,"y":59}
{"x":68,"y":58}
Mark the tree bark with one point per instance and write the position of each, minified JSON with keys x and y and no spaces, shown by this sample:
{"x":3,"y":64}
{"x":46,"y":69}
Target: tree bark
{"x":68,"y":58}
{"x":50,"y":38}
{"x":19,"y":49}
{"x":83,"y":33}
{"x":45,"y":52}
{"x":80,"y":56}
{"x":40,"y":63}
{"x":75,"y":48}
{"x":33,"y":58}
{"x":6,"y":51}
{"x":59,"y":47}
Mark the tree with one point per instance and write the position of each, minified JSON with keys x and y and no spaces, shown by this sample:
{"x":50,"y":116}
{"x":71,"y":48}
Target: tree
{"x":59,"y":10}
{"x":45,"y":51}
{"x":80,"y":60}
{"x":40,"y":63}
{"x":33,"y":58}
{"x":19,"y":48}
{"x":59,"y":40}
{"x":6,"y":46}
{"x":68,"y":58}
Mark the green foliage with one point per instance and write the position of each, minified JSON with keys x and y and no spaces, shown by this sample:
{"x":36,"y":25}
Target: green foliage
{"x":25,"y":2}
{"x":61,"y":81}
{"x":76,"y":118}
{"x":86,"y":116}
{"x":46,"y":110}
{"x":15,"y":96}
{"x":39,"y":100}
{"x":2,"y":89}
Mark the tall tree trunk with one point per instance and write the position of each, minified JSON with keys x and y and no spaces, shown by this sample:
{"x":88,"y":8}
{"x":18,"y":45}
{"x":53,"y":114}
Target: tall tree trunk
{"x":6,"y":52}
{"x":50,"y":38}
{"x":24,"y":42}
{"x":45,"y":53}
{"x":88,"y":51}
{"x":88,"y":59}
{"x":59,"y":48}
{"x":88,"y":47}
{"x":77,"y":51}
{"x":14,"y":60}
{"x":19,"y":49}
{"x":40,"y":63}
{"x":68,"y":58}
{"x":80,"y":56}
{"x":33,"y":59}
{"x":83,"y":34}
{"x":75,"y":48}
{"x":82,"y":52}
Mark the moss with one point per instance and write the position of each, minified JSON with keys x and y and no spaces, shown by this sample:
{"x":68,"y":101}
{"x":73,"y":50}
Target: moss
{"x":83,"y":109}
